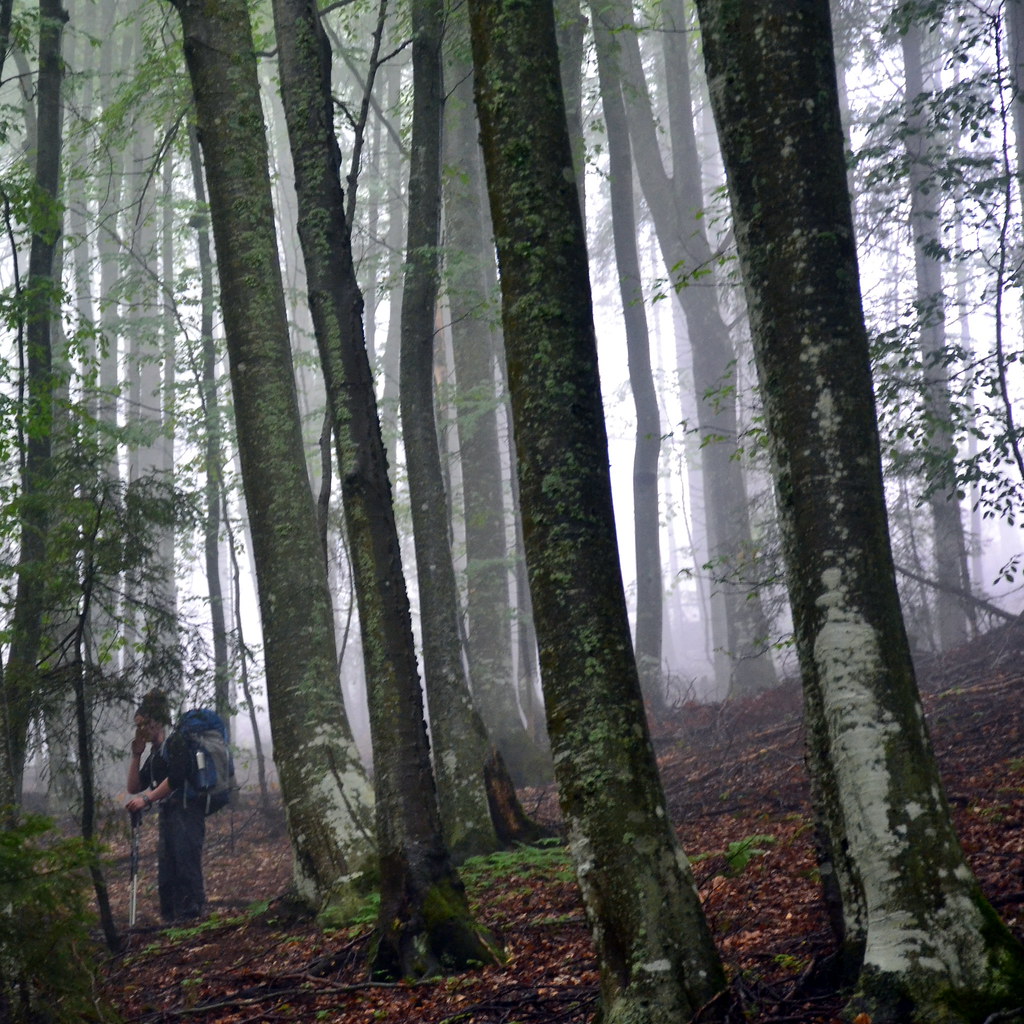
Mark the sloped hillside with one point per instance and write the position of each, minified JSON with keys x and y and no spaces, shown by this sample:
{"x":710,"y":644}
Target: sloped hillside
{"x":735,"y":783}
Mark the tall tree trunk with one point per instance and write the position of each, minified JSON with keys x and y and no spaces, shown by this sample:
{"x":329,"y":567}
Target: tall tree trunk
{"x":949,"y":544}
{"x":476,"y":346}
{"x":325,"y":791}
{"x":21,"y":679}
{"x":150,"y":602}
{"x":656,"y":957}
{"x":424,"y":919}
{"x":166,"y":395}
{"x":675,"y":203}
{"x":647,"y":448}
{"x":214,"y":456}
{"x":932,"y":948}
{"x":460,"y":743}
{"x":65,"y":774}
{"x":115,"y":54}
{"x":392,"y":356}
{"x":104,"y":633}
{"x":570,"y":35}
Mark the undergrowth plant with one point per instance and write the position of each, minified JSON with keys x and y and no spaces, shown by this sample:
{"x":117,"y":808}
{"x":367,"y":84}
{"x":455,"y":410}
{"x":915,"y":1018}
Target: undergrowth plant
{"x":47,"y":956}
{"x":739,"y":853}
{"x":545,"y":859}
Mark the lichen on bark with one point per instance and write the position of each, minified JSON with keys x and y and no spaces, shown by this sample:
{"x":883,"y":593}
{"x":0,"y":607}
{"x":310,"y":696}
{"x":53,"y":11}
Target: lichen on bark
{"x":926,"y":948}
{"x":658,"y":964}
{"x":295,"y":606}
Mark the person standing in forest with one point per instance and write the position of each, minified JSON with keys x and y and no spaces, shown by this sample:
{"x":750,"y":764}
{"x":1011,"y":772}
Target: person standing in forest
{"x":160,"y":780}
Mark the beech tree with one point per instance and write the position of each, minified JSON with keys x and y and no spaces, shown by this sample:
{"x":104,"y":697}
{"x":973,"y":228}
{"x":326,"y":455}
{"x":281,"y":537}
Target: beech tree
{"x":923,"y":940}
{"x":460,"y":742}
{"x":676,"y":201}
{"x":950,"y":548}
{"x":657,"y":961}
{"x":647,"y":446}
{"x":326,"y":794}
{"x":476,"y":350}
{"x":424,"y":920}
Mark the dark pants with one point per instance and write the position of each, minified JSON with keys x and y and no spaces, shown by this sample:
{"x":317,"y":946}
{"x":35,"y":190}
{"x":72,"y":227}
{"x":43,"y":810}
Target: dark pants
{"x":180,"y":860}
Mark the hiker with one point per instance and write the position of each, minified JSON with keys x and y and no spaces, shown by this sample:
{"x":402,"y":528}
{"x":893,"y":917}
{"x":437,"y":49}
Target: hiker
{"x":160,"y":781}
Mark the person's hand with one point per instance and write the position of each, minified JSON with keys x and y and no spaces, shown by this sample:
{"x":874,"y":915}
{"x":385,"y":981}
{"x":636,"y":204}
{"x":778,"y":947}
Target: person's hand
{"x":136,"y":804}
{"x":139,"y":742}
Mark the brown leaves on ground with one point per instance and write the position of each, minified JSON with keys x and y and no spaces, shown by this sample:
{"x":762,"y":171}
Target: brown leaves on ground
{"x":735,"y":783}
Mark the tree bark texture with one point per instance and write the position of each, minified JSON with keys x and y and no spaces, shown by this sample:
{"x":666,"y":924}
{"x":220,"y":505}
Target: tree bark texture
{"x":21,"y":678}
{"x":933,"y":950}
{"x":460,"y":743}
{"x":326,"y":794}
{"x":424,"y":920}
{"x":477,"y":349}
{"x":657,"y":960}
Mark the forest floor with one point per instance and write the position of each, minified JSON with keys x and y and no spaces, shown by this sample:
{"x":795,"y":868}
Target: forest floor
{"x":735,"y":783}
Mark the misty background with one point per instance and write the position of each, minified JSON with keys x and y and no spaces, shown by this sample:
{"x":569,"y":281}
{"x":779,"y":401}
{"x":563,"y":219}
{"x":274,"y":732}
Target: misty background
{"x":933,"y":114}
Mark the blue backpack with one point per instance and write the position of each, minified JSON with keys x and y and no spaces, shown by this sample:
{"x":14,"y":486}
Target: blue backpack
{"x":211,"y":768}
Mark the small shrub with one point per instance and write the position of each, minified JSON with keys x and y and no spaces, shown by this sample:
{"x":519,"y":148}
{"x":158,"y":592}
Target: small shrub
{"x":47,"y":957}
{"x":740,"y":853}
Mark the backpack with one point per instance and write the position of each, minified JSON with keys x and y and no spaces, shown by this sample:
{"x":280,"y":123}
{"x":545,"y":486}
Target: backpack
{"x":211,"y":768}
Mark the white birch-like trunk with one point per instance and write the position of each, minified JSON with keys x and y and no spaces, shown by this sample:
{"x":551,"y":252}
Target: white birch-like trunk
{"x":927,"y":946}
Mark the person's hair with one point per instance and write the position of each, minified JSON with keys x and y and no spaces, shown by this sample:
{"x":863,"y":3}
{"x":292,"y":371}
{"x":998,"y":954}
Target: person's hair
{"x":155,"y":706}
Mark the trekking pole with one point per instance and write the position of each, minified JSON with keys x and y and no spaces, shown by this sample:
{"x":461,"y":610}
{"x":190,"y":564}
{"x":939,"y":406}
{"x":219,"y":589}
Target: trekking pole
{"x":136,"y":817}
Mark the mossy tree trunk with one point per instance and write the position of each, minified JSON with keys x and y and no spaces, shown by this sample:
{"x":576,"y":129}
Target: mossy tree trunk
{"x":424,"y":922}
{"x":460,"y":742}
{"x":326,"y":794}
{"x":476,"y":347}
{"x":929,"y":946}
{"x":22,"y":678}
{"x":657,"y":961}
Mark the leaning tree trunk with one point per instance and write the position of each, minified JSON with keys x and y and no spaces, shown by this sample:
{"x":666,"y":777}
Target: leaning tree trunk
{"x":424,"y":919}
{"x":647,"y":445}
{"x":460,"y":743}
{"x":657,"y":960}
{"x":325,"y":791}
{"x":933,"y":949}
{"x":675,"y":203}
{"x":476,"y":347}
